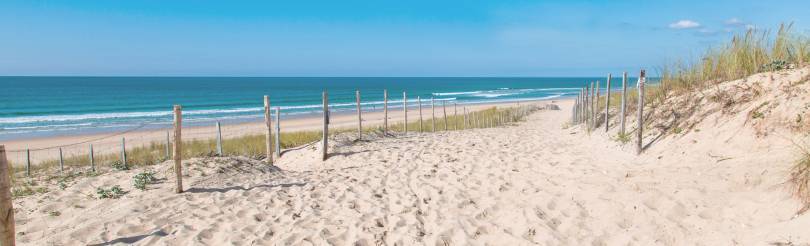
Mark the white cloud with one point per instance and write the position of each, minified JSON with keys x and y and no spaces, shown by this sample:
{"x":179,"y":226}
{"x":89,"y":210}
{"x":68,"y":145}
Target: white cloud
{"x":734,"y":22}
{"x":684,"y":24}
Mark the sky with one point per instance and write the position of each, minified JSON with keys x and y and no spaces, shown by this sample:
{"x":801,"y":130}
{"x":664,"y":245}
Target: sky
{"x":370,"y":38}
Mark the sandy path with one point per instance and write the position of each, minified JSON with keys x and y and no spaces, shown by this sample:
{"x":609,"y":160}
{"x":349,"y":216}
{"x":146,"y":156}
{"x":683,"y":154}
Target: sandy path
{"x":530,"y":183}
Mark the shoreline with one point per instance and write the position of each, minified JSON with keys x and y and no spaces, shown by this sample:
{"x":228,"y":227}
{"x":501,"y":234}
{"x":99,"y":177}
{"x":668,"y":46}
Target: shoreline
{"x":47,"y":148}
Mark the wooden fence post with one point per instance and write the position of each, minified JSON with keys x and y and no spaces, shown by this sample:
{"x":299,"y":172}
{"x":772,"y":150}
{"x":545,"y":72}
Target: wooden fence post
{"x":590,"y":108}
{"x":455,"y":116}
{"x":219,"y":139}
{"x":579,"y":106}
{"x":444,"y":112}
{"x":268,"y":141}
{"x":576,"y":107}
{"x":359,"y":117}
{"x":607,"y":103}
{"x":433,"y":114}
{"x":325,"y":141}
{"x":624,"y":101}
{"x":28,"y":162}
{"x":7,"y":232}
{"x":596,"y":107}
{"x":168,"y":146}
{"x":405,"y":110}
{"x":61,"y":161}
{"x":574,"y":112}
{"x":124,"y":152}
{"x":278,"y":133}
{"x":639,"y":137}
{"x":584,"y":115}
{"x":419,"y":101}
{"x":92,"y":159}
{"x":178,"y":147}
{"x":385,"y":112}
{"x":464,"y":123}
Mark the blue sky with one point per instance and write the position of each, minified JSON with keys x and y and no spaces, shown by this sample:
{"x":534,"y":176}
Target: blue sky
{"x":369,"y":38}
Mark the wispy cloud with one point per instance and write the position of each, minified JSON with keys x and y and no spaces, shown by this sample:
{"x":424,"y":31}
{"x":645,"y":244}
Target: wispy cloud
{"x":734,"y":22}
{"x":684,"y":24}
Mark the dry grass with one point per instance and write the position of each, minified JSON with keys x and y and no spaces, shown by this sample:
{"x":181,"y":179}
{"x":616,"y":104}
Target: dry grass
{"x":800,"y":180}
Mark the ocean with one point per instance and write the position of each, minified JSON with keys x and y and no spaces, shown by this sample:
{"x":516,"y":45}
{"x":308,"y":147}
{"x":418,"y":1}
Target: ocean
{"x":57,"y":106}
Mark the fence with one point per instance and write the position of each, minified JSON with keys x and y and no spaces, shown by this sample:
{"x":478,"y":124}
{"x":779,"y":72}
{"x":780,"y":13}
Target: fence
{"x":586,"y":109}
{"x":132,"y":147}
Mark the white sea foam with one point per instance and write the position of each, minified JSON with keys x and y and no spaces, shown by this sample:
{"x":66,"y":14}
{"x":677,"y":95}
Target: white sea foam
{"x":455,"y":93}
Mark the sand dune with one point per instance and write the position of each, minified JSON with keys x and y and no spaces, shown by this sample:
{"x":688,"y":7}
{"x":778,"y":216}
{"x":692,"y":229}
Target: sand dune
{"x":535,"y":182}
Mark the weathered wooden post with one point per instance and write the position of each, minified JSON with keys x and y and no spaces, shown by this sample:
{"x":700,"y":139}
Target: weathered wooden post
{"x":268,"y":123}
{"x":585,"y":106}
{"x":455,"y":116}
{"x":325,"y":137}
{"x":607,"y":103}
{"x":278,"y":133}
{"x":473,"y":120}
{"x":405,"y":110}
{"x":639,"y":137}
{"x":385,"y":112}
{"x":419,"y":102}
{"x":579,"y":103}
{"x":624,"y":101}
{"x":178,"y":147}
{"x":124,"y":152}
{"x":7,"y":233}
{"x":444,"y":113}
{"x":576,"y":110}
{"x":590,"y":107}
{"x":92,"y":159}
{"x":219,"y":139}
{"x":596,"y":107}
{"x":433,"y":114}
{"x":28,"y":162}
{"x":61,"y":161}
{"x":579,"y":106}
{"x":168,"y":146}
{"x":359,"y":117}
{"x":464,"y":121}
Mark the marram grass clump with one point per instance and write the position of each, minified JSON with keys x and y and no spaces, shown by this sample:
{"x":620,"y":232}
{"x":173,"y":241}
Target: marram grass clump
{"x":800,"y":180}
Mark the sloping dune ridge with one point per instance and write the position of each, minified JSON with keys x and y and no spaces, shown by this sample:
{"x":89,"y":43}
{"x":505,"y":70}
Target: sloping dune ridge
{"x":719,"y":177}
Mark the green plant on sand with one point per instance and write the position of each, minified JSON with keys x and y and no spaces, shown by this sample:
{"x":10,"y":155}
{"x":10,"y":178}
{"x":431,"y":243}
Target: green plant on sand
{"x":114,"y":192}
{"x":142,"y":179}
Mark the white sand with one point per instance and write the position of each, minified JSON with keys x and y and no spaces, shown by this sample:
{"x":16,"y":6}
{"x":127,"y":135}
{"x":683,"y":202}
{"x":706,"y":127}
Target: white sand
{"x":537,"y":182}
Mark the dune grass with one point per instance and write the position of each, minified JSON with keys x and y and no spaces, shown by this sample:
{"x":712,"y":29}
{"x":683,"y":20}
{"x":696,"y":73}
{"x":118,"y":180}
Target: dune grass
{"x":251,"y":145}
{"x":747,"y":53}
{"x":800,"y":179}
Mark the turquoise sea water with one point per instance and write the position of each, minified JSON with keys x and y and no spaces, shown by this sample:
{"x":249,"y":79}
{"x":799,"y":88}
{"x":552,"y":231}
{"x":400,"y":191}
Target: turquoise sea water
{"x":49,"y":106}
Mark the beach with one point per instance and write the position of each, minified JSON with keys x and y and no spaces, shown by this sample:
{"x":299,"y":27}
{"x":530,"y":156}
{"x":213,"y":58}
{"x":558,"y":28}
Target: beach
{"x":370,"y":123}
{"x":541,"y":181}
{"x":46,"y":148}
